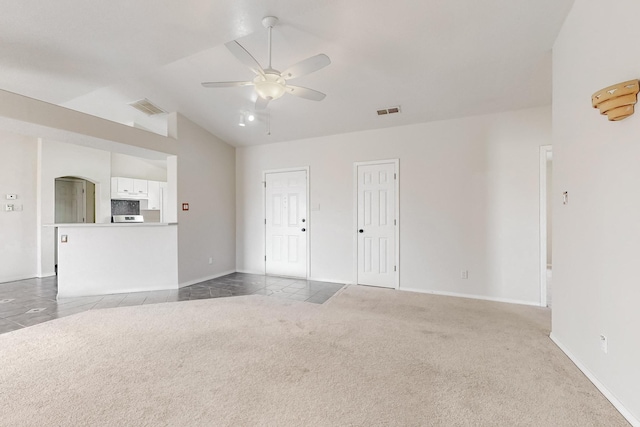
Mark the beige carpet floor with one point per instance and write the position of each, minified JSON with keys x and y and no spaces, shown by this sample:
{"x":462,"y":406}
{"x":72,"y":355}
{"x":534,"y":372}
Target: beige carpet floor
{"x":367,"y":357}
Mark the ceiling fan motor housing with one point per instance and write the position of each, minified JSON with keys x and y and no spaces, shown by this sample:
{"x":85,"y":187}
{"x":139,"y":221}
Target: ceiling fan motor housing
{"x":271,"y":86}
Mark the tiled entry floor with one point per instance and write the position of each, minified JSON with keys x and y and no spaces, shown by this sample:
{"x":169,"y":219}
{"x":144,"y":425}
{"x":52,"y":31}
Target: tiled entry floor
{"x":32,"y":301}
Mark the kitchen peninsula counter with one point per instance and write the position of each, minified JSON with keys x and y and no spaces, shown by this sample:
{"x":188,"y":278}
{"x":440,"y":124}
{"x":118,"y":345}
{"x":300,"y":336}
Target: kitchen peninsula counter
{"x":110,"y":258}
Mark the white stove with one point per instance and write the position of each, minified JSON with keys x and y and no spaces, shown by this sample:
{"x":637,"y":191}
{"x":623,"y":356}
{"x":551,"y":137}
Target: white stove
{"x":127,"y":218}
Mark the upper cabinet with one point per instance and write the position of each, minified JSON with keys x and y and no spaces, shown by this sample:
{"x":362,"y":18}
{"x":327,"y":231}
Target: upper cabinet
{"x":141,"y":187}
{"x":121,"y":186}
{"x":129,"y":188}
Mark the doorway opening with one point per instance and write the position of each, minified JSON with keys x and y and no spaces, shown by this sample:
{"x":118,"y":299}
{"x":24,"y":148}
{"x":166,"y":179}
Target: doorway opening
{"x":546,"y":229}
{"x":75,"y":200}
{"x":286,"y":222}
{"x":377,"y":223}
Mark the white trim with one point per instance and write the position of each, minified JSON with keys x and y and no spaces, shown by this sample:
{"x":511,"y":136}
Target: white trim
{"x":604,"y":390}
{"x":470,"y":296}
{"x":259,"y":273}
{"x":204,"y":279}
{"x":545,"y":151}
{"x":396,"y":164}
{"x":16,"y":278}
{"x":309,"y":228}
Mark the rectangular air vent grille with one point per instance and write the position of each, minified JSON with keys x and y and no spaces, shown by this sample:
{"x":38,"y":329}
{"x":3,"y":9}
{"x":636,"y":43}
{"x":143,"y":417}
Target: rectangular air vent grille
{"x":147,"y":107}
{"x":390,"y":110}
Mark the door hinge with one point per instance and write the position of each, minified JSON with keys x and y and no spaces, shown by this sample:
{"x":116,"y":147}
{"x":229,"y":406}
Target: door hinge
{"x":395,"y":268}
{"x":394,"y":222}
{"x":265,"y":184}
{"x":395,"y":176}
{"x":265,"y":257}
{"x":265,"y":221}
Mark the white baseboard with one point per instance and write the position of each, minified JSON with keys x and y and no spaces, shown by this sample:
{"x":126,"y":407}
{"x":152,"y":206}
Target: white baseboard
{"x":261,"y":273}
{"x":480,"y":297}
{"x":635,"y":422}
{"x":16,"y":278}
{"x":204,"y":279}
{"x":46,"y":274}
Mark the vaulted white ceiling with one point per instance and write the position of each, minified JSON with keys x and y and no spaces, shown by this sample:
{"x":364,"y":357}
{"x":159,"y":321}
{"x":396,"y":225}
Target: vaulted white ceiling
{"x":437,"y":59}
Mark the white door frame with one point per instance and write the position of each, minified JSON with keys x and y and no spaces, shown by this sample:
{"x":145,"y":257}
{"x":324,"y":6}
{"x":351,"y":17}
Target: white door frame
{"x":264,"y":211}
{"x":396,"y":163}
{"x":545,"y":152}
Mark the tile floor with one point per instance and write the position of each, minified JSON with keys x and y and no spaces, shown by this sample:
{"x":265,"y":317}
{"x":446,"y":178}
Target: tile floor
{"x":32,"y":301}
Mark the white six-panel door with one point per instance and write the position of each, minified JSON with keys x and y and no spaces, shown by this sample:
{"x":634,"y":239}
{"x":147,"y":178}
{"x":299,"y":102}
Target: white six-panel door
{"x":286,"y":223}
{"x":376,"y":192}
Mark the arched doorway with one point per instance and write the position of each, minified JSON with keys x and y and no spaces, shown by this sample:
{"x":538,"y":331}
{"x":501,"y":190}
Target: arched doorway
{"x":75,"y":200}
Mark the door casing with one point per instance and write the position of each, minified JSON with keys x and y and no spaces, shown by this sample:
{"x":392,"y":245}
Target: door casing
{"x":396,"y":163}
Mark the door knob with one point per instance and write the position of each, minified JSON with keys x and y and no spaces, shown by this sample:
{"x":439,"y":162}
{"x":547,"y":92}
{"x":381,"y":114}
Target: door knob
{"x":303,"y":220}
{"x":361,"y":231}
{"x":304,"y":229}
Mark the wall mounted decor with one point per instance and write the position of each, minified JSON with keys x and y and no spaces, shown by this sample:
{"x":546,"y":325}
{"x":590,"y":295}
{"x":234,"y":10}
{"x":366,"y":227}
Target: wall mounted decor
{"x":617,"y":101}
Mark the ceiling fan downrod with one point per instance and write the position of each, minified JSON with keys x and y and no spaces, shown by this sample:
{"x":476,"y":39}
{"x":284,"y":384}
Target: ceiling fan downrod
{"x":269,"y":22}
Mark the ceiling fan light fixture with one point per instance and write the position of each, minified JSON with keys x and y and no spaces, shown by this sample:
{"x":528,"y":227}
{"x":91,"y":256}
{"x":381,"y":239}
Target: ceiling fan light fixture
{"x":271,"y":86}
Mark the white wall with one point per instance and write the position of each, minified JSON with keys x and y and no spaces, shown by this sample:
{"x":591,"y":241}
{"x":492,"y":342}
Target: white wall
{"x":59,"y":159}
{"x":18,"y":229}
{"x":469,"y":199}
{"x":137,"y":167}
{"x":206,"y":175}
{"x":596,"y":236}
{"x":93,"y":260}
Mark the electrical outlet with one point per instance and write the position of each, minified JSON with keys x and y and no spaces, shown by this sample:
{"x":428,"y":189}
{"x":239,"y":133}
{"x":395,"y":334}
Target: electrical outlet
{"x":11,"y":196}
{"x":464,"y":274}
{"x":210,"y":260}
{"x":604,"y":344}
{"x":8,"y":208}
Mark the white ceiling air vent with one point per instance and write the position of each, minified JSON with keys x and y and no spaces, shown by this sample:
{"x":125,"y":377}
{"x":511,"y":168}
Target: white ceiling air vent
{"x":147,"y":107}
{"x":390,"y":110}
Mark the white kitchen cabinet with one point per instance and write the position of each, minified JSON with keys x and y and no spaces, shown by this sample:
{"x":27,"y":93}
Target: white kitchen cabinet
{"x":121,"y":187}
{"x":154,"y":196}
{"x":141,"y":188}
{"x":129,"y":188}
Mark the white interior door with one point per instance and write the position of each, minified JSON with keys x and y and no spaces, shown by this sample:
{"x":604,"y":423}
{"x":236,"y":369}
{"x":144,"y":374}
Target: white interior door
{"x":286,"y":223}
{"x":377,"y":224}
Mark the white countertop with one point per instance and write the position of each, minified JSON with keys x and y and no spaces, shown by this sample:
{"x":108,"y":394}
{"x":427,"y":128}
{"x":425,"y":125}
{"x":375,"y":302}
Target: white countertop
{"x":111,"y":224}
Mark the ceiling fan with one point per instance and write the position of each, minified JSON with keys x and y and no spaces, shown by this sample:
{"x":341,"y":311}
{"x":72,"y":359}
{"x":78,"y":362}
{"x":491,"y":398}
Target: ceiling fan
{"x":269,"y":83}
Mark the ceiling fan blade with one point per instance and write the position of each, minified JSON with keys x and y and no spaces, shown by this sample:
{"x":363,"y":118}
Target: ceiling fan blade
{"x":245,"y":57}
{"x":305,"y":93}
{"x":307,"y":66}
{"x":262,"y":103}
{"x":226,"y":84}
